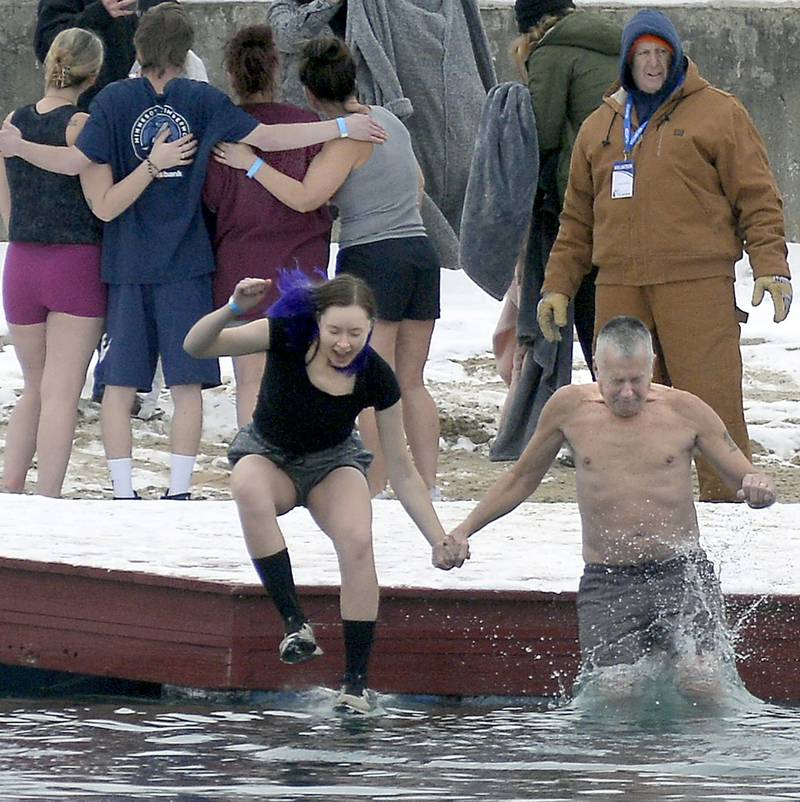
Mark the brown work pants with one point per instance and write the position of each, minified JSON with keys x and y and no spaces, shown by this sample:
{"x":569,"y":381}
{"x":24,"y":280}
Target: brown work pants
{"x":696,"y":339}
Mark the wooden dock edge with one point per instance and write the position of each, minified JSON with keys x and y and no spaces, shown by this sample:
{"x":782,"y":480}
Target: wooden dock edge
{"x":223,"y":636}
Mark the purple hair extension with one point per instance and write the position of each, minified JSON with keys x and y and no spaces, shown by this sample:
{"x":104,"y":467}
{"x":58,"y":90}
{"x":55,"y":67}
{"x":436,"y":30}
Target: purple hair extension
{"x":296,"y":308}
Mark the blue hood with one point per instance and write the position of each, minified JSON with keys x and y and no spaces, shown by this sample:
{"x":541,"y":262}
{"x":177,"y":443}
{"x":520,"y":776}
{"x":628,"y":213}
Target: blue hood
{"x":658,"y":24}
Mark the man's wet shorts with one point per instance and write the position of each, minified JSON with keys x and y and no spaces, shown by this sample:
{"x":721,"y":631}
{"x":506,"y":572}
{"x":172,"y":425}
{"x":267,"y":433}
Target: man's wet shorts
{"x":146,"y":321}
{"x":305,"y":470}
{"x":628,"y":611}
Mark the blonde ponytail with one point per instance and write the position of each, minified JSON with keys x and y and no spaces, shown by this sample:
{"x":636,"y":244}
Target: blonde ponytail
{"x":75,"y":55}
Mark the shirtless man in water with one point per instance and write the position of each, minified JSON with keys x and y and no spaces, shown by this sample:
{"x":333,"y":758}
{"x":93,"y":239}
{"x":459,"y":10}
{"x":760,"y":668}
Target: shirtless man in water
{"x":646,"y":581}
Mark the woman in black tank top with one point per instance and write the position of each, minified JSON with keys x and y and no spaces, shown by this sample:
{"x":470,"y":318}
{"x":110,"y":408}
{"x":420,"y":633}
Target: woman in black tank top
{"x":52,"y":294}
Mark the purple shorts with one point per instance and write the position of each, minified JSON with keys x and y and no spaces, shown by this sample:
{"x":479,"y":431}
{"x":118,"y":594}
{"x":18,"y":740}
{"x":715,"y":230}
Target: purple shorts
{"x":39,"y":279}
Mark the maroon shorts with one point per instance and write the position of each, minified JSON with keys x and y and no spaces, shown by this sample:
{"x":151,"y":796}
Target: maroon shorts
{"x":40,"y":278}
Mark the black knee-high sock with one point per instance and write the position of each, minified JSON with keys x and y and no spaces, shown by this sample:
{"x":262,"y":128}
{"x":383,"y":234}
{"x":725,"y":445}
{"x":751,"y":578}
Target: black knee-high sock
{"x":275,"y":573}
{"x":358,"y":637}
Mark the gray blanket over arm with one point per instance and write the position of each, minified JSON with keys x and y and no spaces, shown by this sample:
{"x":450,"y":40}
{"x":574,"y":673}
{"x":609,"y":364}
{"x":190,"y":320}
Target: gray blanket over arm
{"x":546,"y":366}
{"x":501,"y":188}
{"x":497,"y":212}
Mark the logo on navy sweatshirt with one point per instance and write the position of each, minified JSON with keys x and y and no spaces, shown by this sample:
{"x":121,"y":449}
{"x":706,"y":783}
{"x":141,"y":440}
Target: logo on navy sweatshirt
{"x":146,"y":128}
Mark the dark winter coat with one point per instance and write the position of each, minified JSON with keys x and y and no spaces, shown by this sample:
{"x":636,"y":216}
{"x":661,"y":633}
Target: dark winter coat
{"x":116,"y":33}
{"x":571,"y":68}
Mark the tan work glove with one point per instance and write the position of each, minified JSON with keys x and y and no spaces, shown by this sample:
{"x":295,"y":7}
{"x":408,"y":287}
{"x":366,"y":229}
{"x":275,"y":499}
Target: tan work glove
{"x":780,"y":288}
{"x":551,"y":314}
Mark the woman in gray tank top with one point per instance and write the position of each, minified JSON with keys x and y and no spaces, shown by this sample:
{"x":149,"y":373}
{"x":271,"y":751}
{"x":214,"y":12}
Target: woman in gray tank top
{"x":377,"y":191}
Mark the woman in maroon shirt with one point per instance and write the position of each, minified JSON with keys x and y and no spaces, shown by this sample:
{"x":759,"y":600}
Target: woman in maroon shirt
{"x":256,"y":235}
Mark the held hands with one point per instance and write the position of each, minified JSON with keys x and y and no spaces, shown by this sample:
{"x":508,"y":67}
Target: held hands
{"x":757,"y":490}
{"x":248,"y":293}
{"x":178,"y":153}
{"x":780,"y":288}
{"x":10,"y":140}
{"x":451,"y":552}
{"x":120,"y":8}
{"x":551,"y":314}
{"x":234,"y":154}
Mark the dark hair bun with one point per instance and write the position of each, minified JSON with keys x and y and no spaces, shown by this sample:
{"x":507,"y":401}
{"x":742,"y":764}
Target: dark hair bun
{"x":326,"y":49}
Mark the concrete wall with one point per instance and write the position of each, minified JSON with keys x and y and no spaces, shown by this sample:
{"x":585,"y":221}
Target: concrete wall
{"x":751,"y":51}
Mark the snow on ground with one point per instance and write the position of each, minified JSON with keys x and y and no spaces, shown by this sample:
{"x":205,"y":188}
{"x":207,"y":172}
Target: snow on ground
{"x":536,"y":547}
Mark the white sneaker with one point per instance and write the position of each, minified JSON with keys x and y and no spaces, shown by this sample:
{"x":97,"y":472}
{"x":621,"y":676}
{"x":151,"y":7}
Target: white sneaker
{"x":354,"y":703}
{"x":297,"y":647}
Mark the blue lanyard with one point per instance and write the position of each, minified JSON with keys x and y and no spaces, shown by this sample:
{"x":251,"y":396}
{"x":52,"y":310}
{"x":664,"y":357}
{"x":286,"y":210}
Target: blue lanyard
{"x":632,"y":137}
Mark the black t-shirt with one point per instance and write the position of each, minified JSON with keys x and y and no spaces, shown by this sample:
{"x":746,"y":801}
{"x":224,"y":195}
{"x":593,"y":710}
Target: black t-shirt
{"x":300,"y":418}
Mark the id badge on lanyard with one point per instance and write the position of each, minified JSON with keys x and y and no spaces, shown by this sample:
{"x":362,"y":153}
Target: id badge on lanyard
{"x":624,"y":172}
{"x":622,"y":179}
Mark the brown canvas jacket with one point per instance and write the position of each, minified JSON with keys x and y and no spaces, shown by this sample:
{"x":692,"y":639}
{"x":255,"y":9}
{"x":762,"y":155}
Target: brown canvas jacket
{"x":703,"y":189}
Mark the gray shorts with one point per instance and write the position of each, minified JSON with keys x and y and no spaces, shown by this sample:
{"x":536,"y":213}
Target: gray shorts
{"x":305,"y":470}
{"x":628,"y":611}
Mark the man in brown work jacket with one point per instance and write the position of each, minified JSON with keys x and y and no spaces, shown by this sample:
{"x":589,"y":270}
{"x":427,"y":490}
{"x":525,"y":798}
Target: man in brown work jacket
{"x":669,"y":179}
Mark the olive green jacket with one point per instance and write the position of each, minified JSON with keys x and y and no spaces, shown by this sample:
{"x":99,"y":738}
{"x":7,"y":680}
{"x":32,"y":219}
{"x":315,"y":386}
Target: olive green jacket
{"x":571,"y":68}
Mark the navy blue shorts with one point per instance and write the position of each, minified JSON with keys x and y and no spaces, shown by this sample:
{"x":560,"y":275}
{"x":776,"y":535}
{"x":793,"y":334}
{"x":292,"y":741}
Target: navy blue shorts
{"x":402,"y":273}
{"x":146,"y":321}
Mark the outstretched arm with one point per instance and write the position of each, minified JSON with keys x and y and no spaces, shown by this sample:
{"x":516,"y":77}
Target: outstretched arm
{"x":716,"y":444}
{"x":291,"y":136}
{"x":209,"y":337}
{"x":517,"y":484}
{"x":326,"y":173}
{"x":411,"y":490}
{"x":67,"y":161}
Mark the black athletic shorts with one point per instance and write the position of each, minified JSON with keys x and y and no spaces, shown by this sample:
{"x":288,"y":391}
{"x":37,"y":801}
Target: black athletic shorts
{"x":403,"y":273}
{"x":628,"y":611}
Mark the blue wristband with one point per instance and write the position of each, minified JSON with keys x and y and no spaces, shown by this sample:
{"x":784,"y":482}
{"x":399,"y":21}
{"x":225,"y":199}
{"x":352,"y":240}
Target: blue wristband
{"x":255,"y":167}
{"x":342,"y":123}
{"x":234,"y":307}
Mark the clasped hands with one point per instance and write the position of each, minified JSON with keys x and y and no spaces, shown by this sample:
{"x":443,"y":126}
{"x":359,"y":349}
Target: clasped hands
{"x":450,"y":552}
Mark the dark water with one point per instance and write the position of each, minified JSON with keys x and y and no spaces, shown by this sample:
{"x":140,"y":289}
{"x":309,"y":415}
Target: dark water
{"x":284,"y":747}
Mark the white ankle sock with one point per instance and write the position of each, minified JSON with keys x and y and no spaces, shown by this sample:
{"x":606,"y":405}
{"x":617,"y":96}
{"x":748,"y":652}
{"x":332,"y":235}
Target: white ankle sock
{"x":180,"y":473}
{"x":121,"y":477}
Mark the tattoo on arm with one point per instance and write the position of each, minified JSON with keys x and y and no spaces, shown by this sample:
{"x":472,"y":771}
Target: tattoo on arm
{"x":730,"y":442}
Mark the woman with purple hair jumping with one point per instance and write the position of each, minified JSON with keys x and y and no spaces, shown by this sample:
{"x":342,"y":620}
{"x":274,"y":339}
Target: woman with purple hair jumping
{"x":301,"y":450}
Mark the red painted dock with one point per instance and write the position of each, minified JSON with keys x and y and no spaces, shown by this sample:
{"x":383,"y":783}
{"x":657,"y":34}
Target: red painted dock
{"x":164,"y":625}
